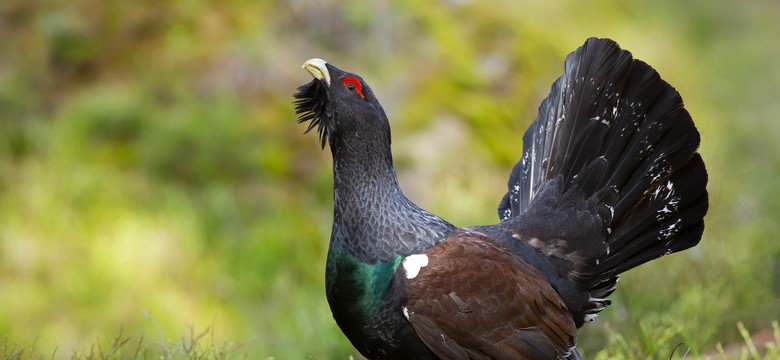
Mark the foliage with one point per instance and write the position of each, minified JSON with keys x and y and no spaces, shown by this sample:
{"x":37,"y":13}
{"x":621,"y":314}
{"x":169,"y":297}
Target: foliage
{"x":195,"y":346}
{"x":150,"y":162}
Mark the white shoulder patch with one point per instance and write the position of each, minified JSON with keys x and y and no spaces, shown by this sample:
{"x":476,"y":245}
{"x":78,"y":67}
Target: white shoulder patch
{"x":413,"y":263}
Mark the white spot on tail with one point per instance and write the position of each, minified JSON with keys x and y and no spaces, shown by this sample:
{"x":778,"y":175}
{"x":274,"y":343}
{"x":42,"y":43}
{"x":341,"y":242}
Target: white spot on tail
{"x":668,"y":232}
{"x":507,"y":214}
{"x":406,"y":312}
{"x":568,"y":353}
{"x":413,"y":263}
{"x":600,"y":119}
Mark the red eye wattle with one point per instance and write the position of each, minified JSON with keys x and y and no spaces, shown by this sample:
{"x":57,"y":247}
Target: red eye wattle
{"x":353,"y":85}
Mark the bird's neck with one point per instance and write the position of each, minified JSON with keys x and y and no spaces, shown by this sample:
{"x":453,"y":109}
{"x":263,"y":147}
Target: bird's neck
{"x":373,"y":220}
{"x":374,"y":226}
{"x":363,"y":173}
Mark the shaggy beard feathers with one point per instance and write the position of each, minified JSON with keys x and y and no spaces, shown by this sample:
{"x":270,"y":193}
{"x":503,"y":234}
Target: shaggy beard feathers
{"x":311,"y":104}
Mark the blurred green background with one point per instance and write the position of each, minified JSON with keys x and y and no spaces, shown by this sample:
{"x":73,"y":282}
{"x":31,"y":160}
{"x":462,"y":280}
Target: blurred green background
{"x":153,"y":178}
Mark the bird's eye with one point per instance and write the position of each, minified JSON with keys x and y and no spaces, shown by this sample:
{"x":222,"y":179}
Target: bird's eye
{"x":353,"y":85}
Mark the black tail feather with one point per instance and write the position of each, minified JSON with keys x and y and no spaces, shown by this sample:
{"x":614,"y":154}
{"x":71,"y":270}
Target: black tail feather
{"x":613,"y":132}
{"x":667,"y":220}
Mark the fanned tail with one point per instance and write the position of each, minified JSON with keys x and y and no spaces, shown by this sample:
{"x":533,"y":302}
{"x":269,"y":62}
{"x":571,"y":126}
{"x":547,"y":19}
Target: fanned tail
{"x":610,"y":177}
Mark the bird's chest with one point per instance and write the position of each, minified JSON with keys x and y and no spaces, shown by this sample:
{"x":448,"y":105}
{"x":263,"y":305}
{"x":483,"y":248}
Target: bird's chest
{"x":366,"y":305}
{"x":357,"y":289}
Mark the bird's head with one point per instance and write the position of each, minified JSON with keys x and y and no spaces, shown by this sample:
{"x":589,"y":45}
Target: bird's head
{"x":338,"y":103}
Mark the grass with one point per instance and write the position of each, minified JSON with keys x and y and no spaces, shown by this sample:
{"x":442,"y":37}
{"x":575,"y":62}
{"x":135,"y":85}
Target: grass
{"x":194,"y":346}
{"x":655,"y":344}
{"x":665,"y":344}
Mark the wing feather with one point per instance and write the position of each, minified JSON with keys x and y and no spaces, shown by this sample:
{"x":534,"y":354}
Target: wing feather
{"x":476,"y":300}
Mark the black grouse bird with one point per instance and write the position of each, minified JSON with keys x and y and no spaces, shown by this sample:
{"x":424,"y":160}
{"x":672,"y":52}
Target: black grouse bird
{"x":609,"y":179}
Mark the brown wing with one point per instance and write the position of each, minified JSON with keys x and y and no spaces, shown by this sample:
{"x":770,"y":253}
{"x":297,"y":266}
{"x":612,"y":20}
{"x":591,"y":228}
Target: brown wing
{"x":474,"y":300}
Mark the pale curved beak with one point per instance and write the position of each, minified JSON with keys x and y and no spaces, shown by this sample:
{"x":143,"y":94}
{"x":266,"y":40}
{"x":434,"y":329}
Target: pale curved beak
{"x":316,"y":67}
